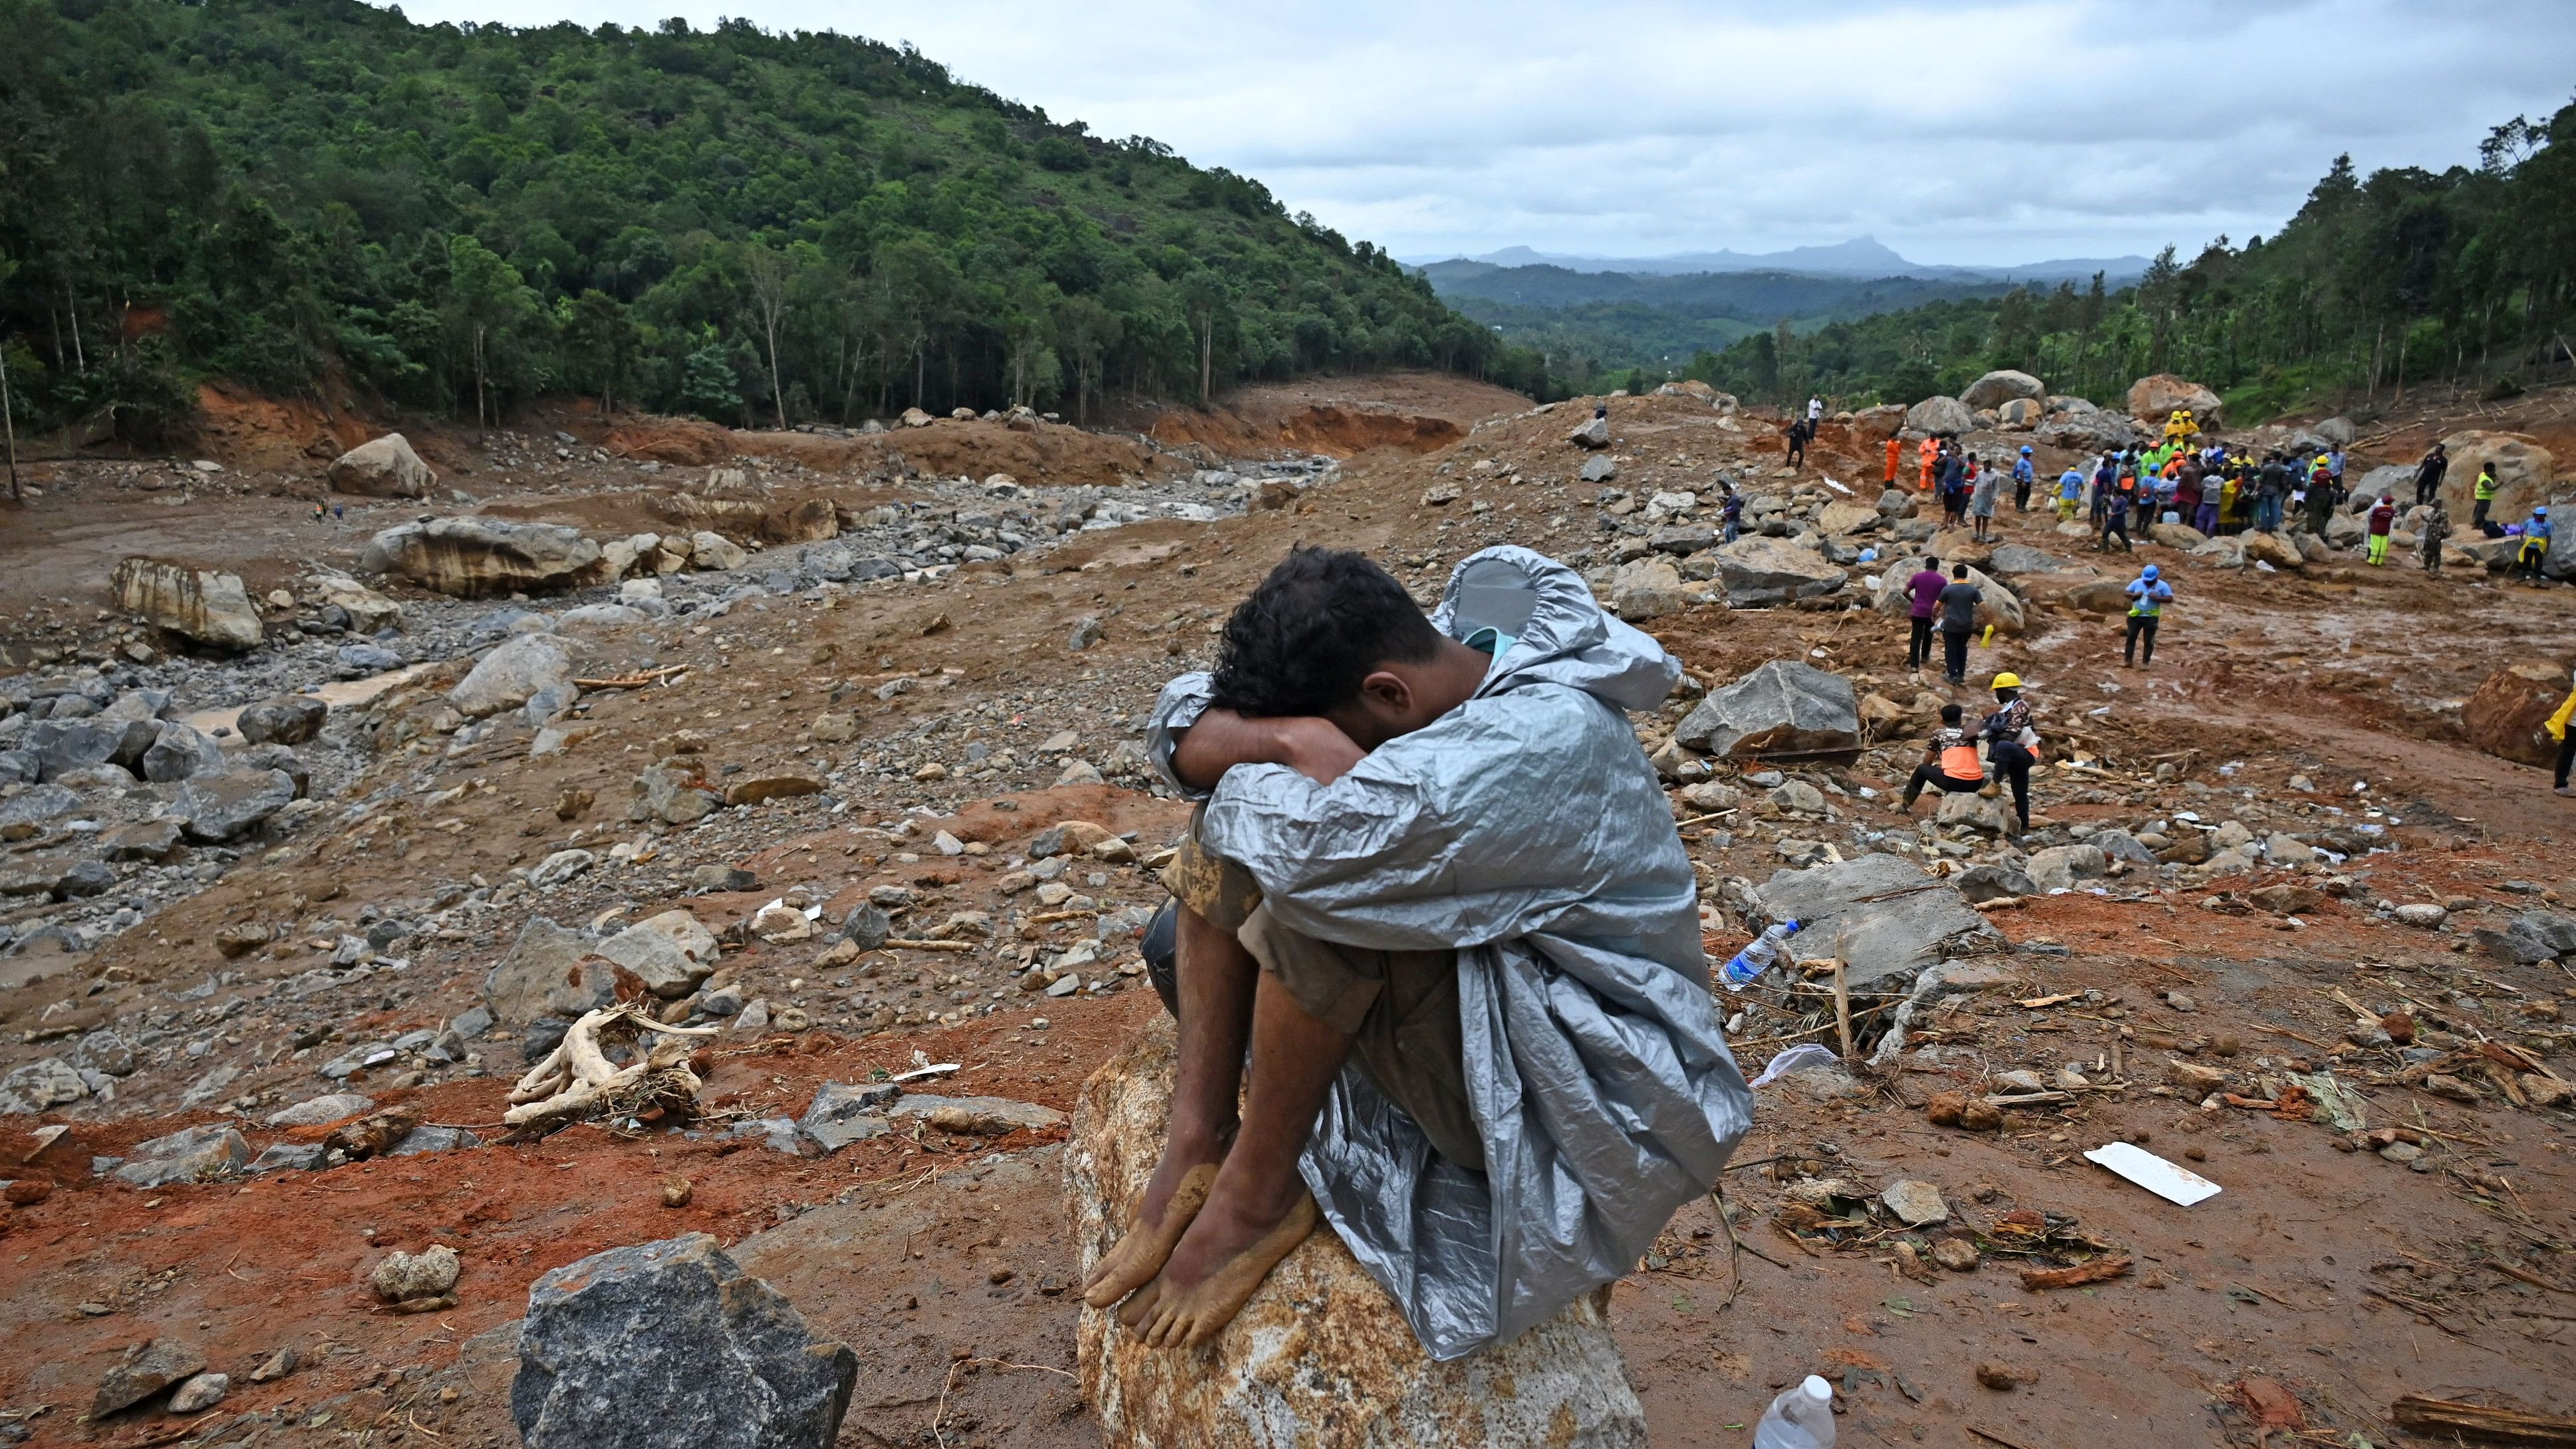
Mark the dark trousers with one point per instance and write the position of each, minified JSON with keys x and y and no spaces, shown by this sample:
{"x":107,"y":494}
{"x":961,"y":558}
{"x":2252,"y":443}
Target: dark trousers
{"x":2011,"y":762}
{"x":1918,"y":647}
{"x":1797,"y":451}
{"x":2021,"y":496}
{"x":2115,"y":524}
{"x":2566,"y":757}
{"x":1954,"y":648}
{"x":2424,"y":491}
{"x":2478,"y":514}
{"x":2141,"y":626}
{"x":1927,"y":777}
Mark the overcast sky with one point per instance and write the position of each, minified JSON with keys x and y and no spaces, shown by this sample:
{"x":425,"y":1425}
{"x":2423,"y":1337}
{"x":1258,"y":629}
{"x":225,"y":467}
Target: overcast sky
{"x":1961,"y":133}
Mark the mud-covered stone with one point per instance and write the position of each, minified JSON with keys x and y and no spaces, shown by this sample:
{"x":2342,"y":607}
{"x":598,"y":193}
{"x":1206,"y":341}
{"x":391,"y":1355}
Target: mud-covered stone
{"x":670,"y":1345}
{"x":221,"y":807}
{"x":191,"y":1155}
{"x":146,"y":1369}
{"x":289,"y":719}
{"x":1320,"y":1357}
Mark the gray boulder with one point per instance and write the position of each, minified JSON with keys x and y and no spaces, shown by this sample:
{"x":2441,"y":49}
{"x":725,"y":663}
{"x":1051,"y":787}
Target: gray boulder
{"x":221,"y":807}
{"x":1592,"y":433}
{"x":1759,"y":572}
{"x":153,"y":840}
{"x":62,"y":746}
{"x":549,"y":972}
{"x":477,"y":557}
{"x":146,"y":1369}
{"x":2021,"y":558}
{"x":510,"y":675}
{"x":1997,"y":388}
{"x":41,"y":1086}
{"x":45,"y":802}
{"x":383,"y":467}
{"x":289,"y":719}
{"x":209,"y":608}
{"x":842,"y":1114}
{"x":2536,"y":936}
{"x":1599,"y":468}
{"x":670,"y":1345}
{"x":192,"y":1155}
{"x":2064,"y":867}
{"x":183,"y":752}
{"x":2121,"y":845}
{"x":1940,"y":415}
{"x":1890,"y":915}
{"x":1991,"y":883}
{"x":1785,"y":709}
{"x":670,"y":953}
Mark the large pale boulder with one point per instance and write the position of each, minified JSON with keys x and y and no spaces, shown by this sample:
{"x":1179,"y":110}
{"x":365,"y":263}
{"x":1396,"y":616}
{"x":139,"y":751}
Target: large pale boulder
{"x":2075,"y":423}
{"x":1880,"y":423}
{"x":2523,"y":470}
{"x":1321,"y":1358}
{"x":1760,"y":571}
{"x":2018,"y":414}
{"x":369,"y":612}
{"x":1940,"y":415}
{"x":2153,"y":399}
{"x":1781,"y":710}
{"x":473,"y":557}
{"x":513,"y":674}
{"x":2274,"y":549}
{"x":383,"y":467}
{"x":1646,"y":588}
{"x":2002,"y":386}
{"x":210,"y":608}
{"x":670,"y":953}
{"x":1845,"y":517}
{"x":2505,"y":716}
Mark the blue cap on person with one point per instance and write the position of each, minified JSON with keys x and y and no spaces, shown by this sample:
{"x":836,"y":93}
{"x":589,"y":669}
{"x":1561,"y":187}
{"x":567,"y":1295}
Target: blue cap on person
{"x":2025,"y":448}
{"x":2149,"y":574}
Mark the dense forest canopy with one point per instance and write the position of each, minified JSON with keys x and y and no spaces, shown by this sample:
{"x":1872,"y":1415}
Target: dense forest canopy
{"x":2404,"y":276}
{"x":305,"y":195}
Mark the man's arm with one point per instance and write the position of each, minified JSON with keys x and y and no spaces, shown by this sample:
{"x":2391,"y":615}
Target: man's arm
{"x":1222,"y":739}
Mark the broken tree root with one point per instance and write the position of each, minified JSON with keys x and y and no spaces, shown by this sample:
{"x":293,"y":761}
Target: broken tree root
{"x":577,"y":1079}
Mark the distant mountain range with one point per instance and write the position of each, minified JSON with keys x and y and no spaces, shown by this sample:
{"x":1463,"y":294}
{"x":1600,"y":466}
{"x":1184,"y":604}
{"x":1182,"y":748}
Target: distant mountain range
{"x":1859,"y":257}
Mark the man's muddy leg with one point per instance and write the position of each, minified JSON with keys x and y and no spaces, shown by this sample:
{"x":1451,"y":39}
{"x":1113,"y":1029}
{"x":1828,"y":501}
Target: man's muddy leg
{"x":1259,"y":1209}
{"x":1215,"y":977}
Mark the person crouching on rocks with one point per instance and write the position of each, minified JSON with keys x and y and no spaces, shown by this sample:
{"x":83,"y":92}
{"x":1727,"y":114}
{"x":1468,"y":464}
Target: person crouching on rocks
{"x":2012,"y":745}
{"x":1387,"y":918}
{"x":1950,"y":764}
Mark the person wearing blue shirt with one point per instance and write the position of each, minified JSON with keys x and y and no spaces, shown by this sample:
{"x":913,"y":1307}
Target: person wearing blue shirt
{"x":2148,"y":595}
{"x":2070,"y":494}
{"x":2023,"y":476}
{"x":2533,"y":551}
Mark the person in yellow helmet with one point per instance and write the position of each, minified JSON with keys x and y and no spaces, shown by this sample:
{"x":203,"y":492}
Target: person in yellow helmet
{"x":2012,"y":746}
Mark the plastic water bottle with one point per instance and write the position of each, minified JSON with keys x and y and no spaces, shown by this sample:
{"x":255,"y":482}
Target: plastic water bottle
{"x":1753,"y":960}
{"x":1801,"y":1418}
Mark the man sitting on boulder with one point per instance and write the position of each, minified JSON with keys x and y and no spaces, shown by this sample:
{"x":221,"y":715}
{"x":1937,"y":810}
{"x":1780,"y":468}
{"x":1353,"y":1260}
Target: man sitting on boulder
{"x":1480,"y":1038}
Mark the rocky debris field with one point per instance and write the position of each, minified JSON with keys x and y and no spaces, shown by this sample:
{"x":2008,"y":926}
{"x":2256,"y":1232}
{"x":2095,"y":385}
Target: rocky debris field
{"x":826,"y":879}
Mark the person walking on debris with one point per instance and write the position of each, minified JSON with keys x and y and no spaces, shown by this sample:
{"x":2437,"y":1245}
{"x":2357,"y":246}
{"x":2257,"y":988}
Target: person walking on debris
{"x":1381,"y":898}
{"x":1815,"y":413}
{"x":1927,"y":456}
{"x":2383,"y":519}
{"x":2436,"y":529}
{"x":2148,"y":594}
{"x":1954,"y":490}
{"x":2070,"y":493}
{"x":1731,"y":511}
{"x":1895,"y":456}
{"x":1799,"y":432}
{"x":2566,"y":739}
{"x":1958,"y":600}
{"x":1950,"y":762}
{"x":2321,"y":504}
{"x":2428,"y":474}
{"x":1924,"y":588}
{"x":2025,"y":473}
{"x":2105,"y":473}
{"x":1981,"y":501}
{"x":2483,"y":495}
{"x":2533,"y":551}
{"x":2115,"y":520}
{"x":2012,"y":745}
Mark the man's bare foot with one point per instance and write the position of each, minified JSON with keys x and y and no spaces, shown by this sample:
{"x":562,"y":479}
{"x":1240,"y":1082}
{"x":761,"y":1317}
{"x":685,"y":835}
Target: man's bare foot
{"x":1214,"y":1272}
{"x":1135,"y":1258}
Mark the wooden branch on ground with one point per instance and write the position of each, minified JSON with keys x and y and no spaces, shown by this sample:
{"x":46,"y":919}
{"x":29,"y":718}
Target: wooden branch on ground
{"x":2442,"y":1418}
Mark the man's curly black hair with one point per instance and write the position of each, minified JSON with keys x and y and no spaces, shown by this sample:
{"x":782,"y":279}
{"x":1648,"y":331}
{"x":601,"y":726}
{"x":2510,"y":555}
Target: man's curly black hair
{"x":1317,"y":626}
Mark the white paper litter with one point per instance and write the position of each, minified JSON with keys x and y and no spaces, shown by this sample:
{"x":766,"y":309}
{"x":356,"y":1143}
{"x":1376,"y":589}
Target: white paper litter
{"x":1794,"y":1059}
{"x":2138,"y":1165}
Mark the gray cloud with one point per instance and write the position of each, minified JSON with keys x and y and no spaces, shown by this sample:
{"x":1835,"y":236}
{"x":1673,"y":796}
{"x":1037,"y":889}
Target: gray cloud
{"x":1992,"y":132}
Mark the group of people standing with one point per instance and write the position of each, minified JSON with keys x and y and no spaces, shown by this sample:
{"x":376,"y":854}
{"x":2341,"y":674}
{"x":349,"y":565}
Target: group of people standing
{"x":1967,"y":485}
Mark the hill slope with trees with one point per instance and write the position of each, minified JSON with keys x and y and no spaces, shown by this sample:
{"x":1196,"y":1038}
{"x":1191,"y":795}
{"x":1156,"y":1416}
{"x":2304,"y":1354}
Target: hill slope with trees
{"x":319,"y":197}
{"x":2406,"y":276}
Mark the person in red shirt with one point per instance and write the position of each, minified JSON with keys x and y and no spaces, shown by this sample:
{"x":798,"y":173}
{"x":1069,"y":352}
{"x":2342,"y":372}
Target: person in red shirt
{"x":1925,"y":590}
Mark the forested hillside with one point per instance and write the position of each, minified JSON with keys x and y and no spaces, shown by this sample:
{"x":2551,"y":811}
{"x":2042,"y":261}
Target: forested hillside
{"x":2406,"y":275}
{"x":1594,"y":327}
{"x":305,"y":195}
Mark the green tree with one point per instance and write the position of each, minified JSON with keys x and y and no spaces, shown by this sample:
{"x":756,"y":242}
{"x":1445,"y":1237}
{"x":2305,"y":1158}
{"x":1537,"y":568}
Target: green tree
{"x":488,"y":304}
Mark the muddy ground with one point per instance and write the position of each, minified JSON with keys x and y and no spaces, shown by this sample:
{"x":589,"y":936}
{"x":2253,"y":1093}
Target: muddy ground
{"x":2295,"y":1306}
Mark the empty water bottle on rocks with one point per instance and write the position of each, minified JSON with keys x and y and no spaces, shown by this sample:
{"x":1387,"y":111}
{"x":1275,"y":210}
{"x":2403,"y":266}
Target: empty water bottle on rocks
{"x":1801,"y":1418}
{"x":1753,"y":960}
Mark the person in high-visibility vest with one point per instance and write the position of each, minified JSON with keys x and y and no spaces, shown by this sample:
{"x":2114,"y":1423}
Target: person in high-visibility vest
{"x":1895,"y":455}
{"x":2566,"y":740}
{"x":1950,"y":762}
{"x":1927,"y":455}
{"x":2484,"y":494}
{"x":2148,"y":594}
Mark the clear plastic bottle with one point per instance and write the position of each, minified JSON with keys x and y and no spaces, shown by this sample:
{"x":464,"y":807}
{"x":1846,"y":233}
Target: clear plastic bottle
{"x":1752,"y":961}
{"x":1801,"y":1418}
